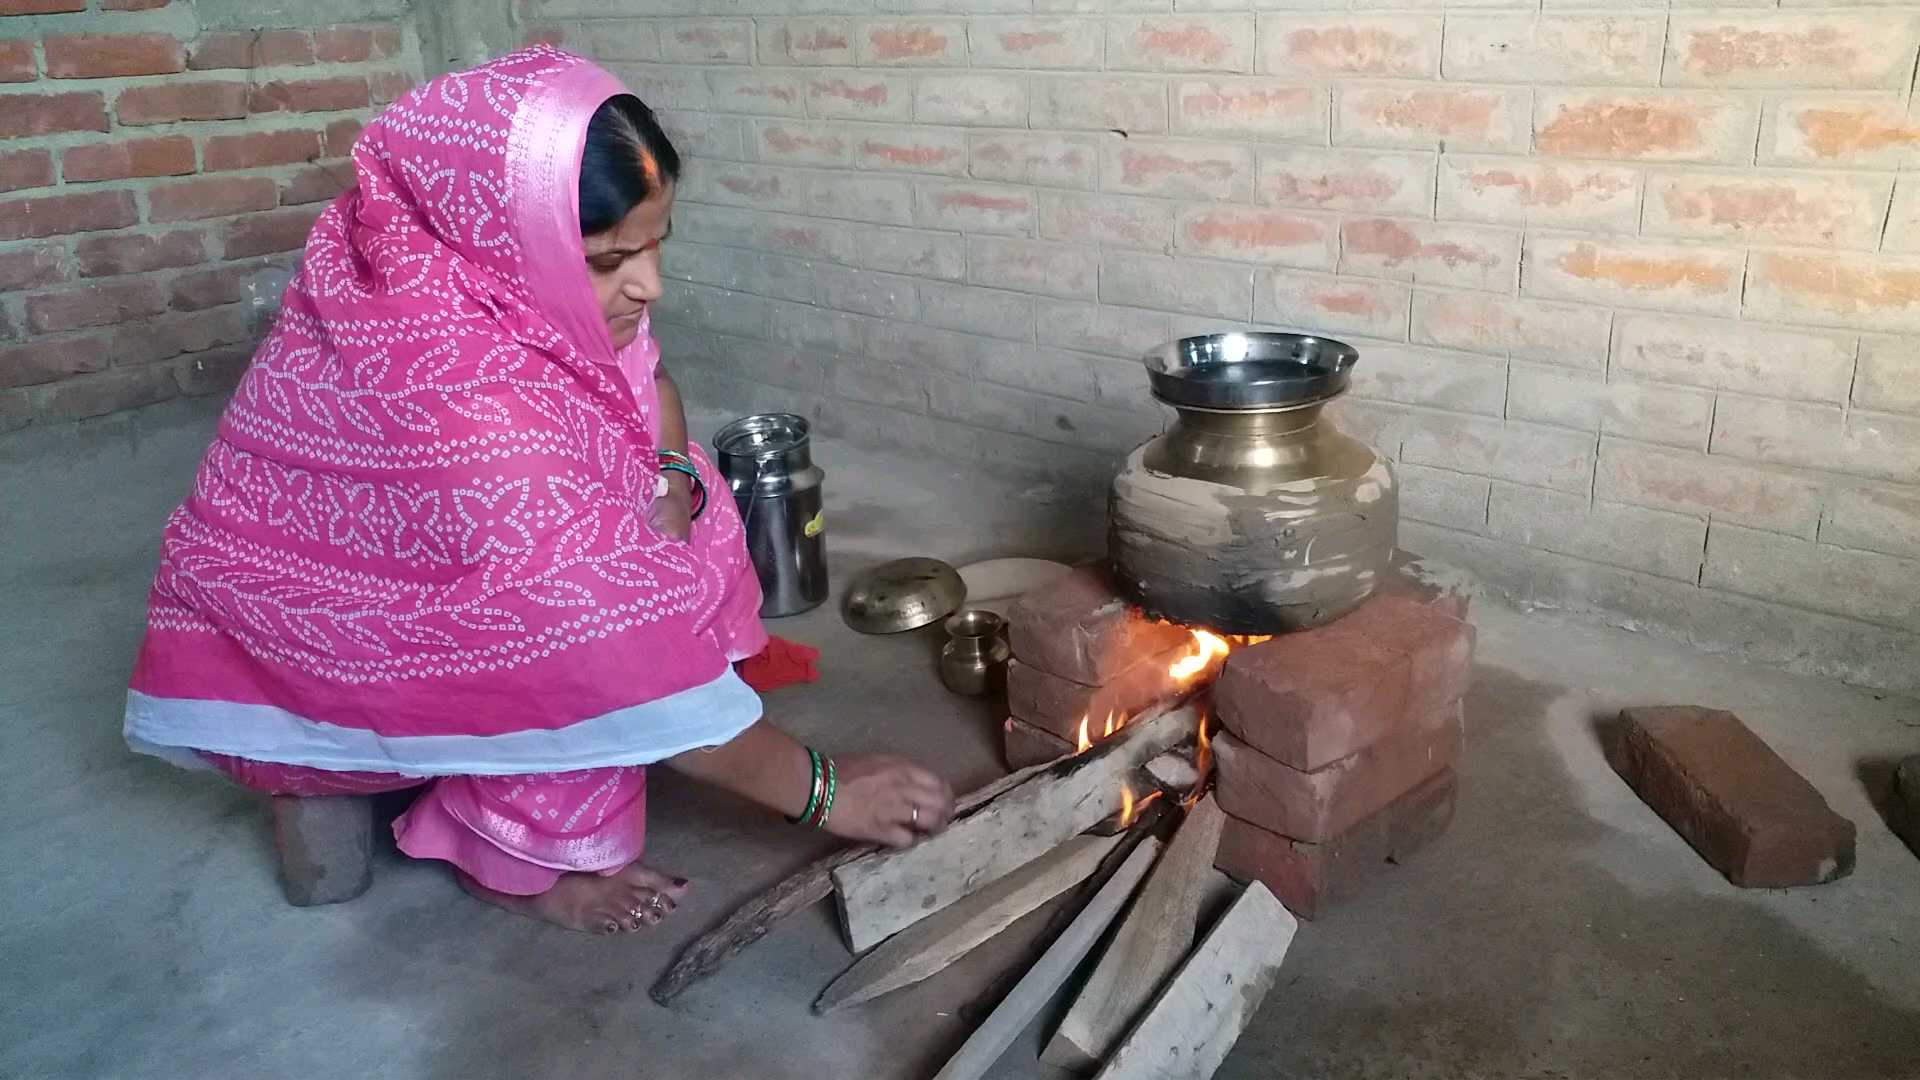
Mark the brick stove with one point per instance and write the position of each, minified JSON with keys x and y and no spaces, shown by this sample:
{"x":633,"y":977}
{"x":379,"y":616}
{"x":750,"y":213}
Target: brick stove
{"x":1334,"y":747}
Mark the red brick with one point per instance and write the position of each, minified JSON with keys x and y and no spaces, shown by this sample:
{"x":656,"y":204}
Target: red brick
{"x":893,"y":43}
{"x":1665,"y":126}
{"x":167,"y":103}
{"x":1181,"y":43}
{"x":1320,"y":805}
{"x":40,"y":7}
{"x":1309,"y":878}
{"x":192,"y":200}
{"x":1431,"y":252}
{"x":356,"y":44}
{"x":46,"y":360}
{"x":99,"y":56}
{"x":55,"y":215}
{"x":16,"y":62}
{"x":20,"y":169}
{"x":1057,"y":706}
{"x":168,"y":336}
{"x":94,"y":305}
{"x":1257,"y":108}
{"x":1185,"y":170}
{"x":1724,"y":790}
{"x":1080,"y":629}
{"x":1458,"y":117}
{"x":311,"y":95}
{"x":1396,"y":46}
{"x":202,"y":289}
{"x":260,"y":148}
{"x":1822,"y":49}
{"x":1284,"y":237}
{"x":106,"y":392}
{"x":1027,"y":745}
{"x":340,"y":138}
{"x":316,"y":183}
{"x":170,"y":155}
{"x":249,"y":49}
{"x":105,"y":256}
{"x":1311,"y":698}
{"x":30,"y":267}
{"x":264,"y":234}
{"x":23,"y":116}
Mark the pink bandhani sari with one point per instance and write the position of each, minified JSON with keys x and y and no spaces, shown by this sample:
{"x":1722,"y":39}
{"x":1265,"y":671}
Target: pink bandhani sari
{"x":419,"y":546}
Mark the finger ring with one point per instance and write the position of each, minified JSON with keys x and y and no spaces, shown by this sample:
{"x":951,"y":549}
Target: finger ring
{"x":915,"y":818}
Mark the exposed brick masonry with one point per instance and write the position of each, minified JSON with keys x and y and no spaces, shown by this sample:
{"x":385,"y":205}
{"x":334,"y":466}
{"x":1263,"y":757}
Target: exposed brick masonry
{"x":126,"y":275}
{"x":1620,"y":278}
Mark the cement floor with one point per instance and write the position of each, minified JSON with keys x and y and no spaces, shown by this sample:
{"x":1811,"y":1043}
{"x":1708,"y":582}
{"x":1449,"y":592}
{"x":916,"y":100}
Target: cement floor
{"x":1558,"y":930}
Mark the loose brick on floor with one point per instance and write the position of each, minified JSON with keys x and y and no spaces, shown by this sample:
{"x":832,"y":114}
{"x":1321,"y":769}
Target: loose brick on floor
{"x":1054,"y":704}
{"x":1722,"y":788}
{"x":326,"y":847}
{"x":1311,"y":698}
{"x":1080,"y":629}
{"x":1320,"y":805}
{"x":1309,"y":878}
{"x":1028,"y":745}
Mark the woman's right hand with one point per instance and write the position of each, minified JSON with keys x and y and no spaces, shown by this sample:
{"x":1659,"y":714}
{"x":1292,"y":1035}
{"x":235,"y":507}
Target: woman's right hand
{"x":887,"y":800}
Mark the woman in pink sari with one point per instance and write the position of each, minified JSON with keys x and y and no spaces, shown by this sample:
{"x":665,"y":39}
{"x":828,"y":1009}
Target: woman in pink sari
{"x":451,"y":533}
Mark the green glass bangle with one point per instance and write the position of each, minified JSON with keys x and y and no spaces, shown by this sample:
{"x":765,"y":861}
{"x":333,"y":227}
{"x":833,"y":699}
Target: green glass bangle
{"x":813,"y":789}
{"x":826,"y":806}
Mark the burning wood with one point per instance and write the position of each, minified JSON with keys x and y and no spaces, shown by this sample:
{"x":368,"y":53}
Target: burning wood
{"x":885,"y":892}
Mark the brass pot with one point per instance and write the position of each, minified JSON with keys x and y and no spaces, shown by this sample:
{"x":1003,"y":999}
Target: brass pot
{"x":974,"y":660}
{"x":1252,"y":514}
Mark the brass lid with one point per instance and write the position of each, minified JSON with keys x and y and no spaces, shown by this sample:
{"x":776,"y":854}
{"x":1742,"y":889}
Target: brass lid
{"x":905,"y":594}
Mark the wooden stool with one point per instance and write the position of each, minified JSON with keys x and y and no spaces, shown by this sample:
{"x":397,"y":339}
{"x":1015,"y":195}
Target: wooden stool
{"x":326,"y":847}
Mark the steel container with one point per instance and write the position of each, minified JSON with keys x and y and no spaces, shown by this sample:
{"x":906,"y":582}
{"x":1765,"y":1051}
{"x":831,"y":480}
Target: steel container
{"x":769,"y":466}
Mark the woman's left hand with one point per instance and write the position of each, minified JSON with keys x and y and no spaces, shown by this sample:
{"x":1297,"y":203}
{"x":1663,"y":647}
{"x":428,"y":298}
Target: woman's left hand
{"x":672,"y":513}
{"x":888,"y":800}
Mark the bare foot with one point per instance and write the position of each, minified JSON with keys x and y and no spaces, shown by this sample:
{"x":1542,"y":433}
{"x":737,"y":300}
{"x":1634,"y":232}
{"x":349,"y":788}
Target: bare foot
{"x":632,"y":899}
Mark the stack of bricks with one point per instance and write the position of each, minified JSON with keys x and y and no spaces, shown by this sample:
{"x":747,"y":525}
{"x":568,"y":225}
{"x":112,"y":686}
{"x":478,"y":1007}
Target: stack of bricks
{"x":1080,"y":651}
{"x":1339,"y":743}
{"x":157,"y":181}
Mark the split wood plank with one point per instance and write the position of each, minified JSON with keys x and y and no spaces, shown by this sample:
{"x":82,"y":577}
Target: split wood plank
{"x":929,"y":945}
{"x":1155,"y":936}
{"x":1045,"y":977}
{"x":798,"y":891}
{"x":1175,"y":771}
{"x":1197,"y":1018}
{"x":884,"y":893}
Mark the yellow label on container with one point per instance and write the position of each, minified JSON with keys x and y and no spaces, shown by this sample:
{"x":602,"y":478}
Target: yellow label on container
{"x":817,"y":526}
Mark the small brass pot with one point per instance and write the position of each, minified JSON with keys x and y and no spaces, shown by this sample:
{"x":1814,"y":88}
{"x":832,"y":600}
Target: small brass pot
{"x":974,"y":661}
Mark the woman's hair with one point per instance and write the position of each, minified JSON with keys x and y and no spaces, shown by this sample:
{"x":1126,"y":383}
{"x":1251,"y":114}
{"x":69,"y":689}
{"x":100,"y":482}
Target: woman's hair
{"x":627,"y":158}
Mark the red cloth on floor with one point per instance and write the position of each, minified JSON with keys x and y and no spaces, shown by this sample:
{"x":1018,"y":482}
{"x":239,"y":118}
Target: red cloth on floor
{"x":781,"y":663}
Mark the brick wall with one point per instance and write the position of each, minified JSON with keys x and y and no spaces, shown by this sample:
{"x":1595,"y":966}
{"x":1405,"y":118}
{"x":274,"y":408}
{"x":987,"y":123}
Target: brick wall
{"x":1636,"y":291}
{"x":157,"y":179}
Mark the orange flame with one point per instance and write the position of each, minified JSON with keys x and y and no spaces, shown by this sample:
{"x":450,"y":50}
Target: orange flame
{"x":1129,"y":810}
{"x":1082,"y":742}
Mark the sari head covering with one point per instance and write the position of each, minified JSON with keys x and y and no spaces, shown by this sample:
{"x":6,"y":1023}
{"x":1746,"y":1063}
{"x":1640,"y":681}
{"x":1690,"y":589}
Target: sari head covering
{"x":420,"y":543}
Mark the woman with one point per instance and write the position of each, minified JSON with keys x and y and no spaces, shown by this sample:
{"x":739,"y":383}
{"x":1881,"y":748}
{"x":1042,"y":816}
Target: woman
{"x":452,"y":534}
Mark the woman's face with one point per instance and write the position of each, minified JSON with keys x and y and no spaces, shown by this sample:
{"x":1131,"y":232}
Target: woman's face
{"x":624,"y":264}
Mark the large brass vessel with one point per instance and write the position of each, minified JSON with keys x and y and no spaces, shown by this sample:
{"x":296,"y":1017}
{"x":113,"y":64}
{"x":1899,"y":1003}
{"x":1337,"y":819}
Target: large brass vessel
{"x":1252,"y":514}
